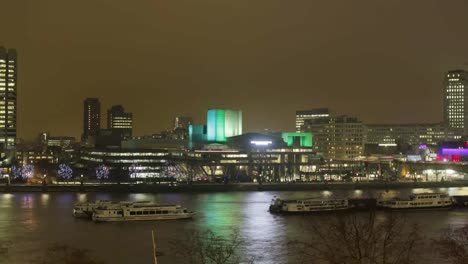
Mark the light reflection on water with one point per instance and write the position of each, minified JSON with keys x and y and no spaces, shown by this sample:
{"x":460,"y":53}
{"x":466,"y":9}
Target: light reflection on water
{"x":36,"y":220}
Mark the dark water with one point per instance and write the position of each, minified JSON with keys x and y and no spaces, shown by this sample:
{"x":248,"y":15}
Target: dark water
{"x":34,"y":221}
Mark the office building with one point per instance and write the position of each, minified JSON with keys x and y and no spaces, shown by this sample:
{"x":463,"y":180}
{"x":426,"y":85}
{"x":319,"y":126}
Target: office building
{"x":120,"y":121}
{"x":312,"y":114}
{"x":340,"y":137}
{"x":411,"y":134}
{"x":45,"y":140}
{"x":91,"y":117}
{"x":455,"y":101}
{"x":223,"y":123}
{"x":8,"y":108}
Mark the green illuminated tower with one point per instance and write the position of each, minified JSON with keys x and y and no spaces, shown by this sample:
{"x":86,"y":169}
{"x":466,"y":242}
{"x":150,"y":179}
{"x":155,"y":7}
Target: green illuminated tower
{"x":223,"y":123}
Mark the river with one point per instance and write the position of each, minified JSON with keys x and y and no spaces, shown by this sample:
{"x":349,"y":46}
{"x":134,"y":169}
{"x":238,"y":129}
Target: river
{"x":33,"y":221}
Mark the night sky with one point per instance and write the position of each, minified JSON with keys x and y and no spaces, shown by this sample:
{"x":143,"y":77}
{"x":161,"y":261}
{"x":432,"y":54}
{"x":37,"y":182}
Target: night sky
{"x":381,"y":60}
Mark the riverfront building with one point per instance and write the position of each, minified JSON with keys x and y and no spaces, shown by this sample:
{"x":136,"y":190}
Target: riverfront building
{"x":340,"y":137}
{"x":412,"y":134}
{"x":8,"y":108}
{"x":243,"y":158}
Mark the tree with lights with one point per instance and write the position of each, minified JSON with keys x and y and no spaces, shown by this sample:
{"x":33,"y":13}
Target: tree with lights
{"x":16,"y":172}
{"x":102,"y":172}
{"x":65,"y":172}
{"x":27,"y":171}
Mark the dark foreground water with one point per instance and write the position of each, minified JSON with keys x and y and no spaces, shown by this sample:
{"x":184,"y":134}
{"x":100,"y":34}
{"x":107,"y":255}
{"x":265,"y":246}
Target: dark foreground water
{"x":34,"y":221}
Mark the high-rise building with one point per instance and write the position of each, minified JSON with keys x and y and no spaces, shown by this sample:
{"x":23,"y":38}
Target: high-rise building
{"x":8,"y":86}
{"x":316,"y":113}
{"x":223,"y":123}
{"x":91,"y":117}
{"x":120,"y":121}
{"x":456,"y":101}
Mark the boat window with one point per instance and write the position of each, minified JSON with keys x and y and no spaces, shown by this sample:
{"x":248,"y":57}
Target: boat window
{"x":185,"y":211}
{"x":132,"y":213}
{"x":145,"y":212}
{"x":164,"y":212}
{"x":139,"y":213}
{"x":151,"y":212}
{"x":158,"y":212}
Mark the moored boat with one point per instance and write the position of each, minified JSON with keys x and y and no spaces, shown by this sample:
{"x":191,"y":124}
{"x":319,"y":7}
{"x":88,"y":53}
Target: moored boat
{"x":309,"y":205}
{"x":140,"y":212}
{"x":418,"y":201}
{"x":85,"y":209}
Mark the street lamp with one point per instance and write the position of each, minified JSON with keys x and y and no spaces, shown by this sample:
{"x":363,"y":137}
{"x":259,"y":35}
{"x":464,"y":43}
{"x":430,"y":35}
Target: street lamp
{"x":44,"y":179}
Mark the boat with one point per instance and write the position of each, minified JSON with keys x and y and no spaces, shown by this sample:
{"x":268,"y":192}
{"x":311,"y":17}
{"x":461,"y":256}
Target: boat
{"x":418,"y":201}
{"x":138,"y":211}
{"x":85,"y":209}
{"x":308,"y":205}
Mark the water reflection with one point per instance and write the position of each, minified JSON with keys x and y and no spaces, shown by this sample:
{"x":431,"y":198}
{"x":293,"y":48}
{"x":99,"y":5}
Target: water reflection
{"x":27,"y":201}
{"x":45,"y":199}
{"x":141,"y":197}
{"x":81,"y":197}
{"x":264,"y":232}
{"x":38,"y":219}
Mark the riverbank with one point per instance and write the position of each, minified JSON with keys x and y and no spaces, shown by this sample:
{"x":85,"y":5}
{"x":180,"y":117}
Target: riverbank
{"x":181,"y":188}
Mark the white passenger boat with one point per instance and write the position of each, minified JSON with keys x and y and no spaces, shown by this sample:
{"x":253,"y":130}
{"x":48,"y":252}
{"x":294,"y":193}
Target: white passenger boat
{"x":418,"y":201}
{"x":137,"y":211}
{"x":310,"y":205}
{"x":85,"y":209}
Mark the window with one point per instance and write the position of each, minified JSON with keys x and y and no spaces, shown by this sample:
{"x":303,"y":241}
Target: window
{"x":139,"y":213}
{"x":132,"y":213}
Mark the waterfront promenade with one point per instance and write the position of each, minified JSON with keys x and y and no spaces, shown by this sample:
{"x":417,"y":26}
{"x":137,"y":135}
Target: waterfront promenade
{"x":232,"y":187}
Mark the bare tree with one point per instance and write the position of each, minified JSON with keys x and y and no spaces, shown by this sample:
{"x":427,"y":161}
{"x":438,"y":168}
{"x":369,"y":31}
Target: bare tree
{"x":359,"y":239}
{"x":4,"y":249}
{"x":64,"y":254}
{"x":208,"y":248}
{"x":453,"y":245}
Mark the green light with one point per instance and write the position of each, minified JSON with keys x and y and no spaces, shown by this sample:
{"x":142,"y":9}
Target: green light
{"x":305,"y":139}
{"x":223,"y":123}
{"x":220,"y":122}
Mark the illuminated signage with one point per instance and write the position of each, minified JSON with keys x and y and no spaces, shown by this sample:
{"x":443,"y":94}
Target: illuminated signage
{"x":261,"y":143}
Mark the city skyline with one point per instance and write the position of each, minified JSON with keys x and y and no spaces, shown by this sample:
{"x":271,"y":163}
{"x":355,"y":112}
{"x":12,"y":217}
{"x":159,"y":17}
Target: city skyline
{"x":160,"y":65}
